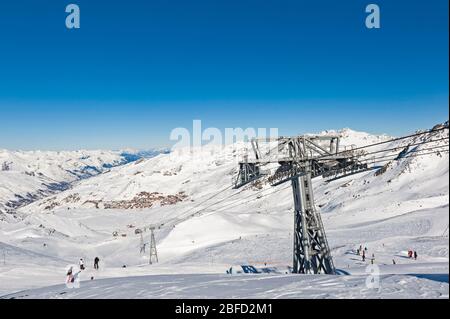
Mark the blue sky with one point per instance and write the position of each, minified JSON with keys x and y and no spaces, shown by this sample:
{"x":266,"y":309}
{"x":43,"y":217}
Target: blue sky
{"x":137,"y":69}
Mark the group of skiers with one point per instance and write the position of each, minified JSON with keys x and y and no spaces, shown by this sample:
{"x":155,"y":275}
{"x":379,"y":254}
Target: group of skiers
{"x":72,"y":275}
{"x":96,"y":261}
{"x":363,"y":253}
{"x":412,"y":254}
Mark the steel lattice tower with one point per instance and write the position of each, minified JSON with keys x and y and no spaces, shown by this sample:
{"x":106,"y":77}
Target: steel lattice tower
{"x":301,"y":158}
{"x":311,"y":251}
{"x":153,"y":251}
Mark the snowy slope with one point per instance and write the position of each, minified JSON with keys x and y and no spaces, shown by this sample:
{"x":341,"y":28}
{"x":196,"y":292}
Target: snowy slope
{"x":200,"y":286}
{"x":404,"y":205}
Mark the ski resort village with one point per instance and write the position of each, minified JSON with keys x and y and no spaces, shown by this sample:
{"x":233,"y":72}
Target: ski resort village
{"x":331,"y":214}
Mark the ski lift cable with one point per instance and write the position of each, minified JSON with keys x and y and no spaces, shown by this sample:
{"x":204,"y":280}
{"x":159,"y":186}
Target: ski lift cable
{"x":402,"y":147}
{"x":234,"y":204}
{"x":392,"y":140}
{"x":443,"y":147}
{"x":358,"y":156}
{"x":402,"y":138}
{"x":203,"y":209}
{"x":230,"y":205}
{"x":209,"y":198}
{"x":241,"y":202}
{"x":187,"y":214}
{"x":388,"y":157}
{"x":162,"y":223}
{"x":381,"y":158}
{"x":177,"y":220}
{"x":439,"y":149}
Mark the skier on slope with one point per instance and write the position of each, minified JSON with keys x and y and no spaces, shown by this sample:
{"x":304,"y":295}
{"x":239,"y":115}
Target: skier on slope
{"x":81,"y":264}
{"x":73,"y":280}
{"x":69,"y":275}
{"x":96,"y":261}
{"x":415,"y":255}
{"x":364,"y":255}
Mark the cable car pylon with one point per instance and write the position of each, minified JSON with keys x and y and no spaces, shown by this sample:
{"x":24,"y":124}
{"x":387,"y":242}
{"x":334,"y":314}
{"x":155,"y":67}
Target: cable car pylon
{"x":153,"y":251}
{"x":301,"y":158}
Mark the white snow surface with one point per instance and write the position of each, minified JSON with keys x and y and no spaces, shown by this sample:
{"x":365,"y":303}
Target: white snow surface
{"x":199,"y":237}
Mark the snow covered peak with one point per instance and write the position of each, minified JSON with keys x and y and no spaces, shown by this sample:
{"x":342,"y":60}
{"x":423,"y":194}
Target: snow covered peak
{"x":351,"y":137}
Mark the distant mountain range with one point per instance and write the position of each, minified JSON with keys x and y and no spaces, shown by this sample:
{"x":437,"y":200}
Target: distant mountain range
{"x":26,"y":176}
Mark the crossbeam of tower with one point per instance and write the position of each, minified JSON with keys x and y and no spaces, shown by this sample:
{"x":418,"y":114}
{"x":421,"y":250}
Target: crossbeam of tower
{"x":301,"y":158}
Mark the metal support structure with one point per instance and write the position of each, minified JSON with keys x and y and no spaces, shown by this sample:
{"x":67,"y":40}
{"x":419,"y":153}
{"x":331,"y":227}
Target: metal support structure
{"x":255,"y":147}
{"x":301,"y":158}
{"x":247,"y":172}
{"x":153,"y":251}
{"x":311,"y":251}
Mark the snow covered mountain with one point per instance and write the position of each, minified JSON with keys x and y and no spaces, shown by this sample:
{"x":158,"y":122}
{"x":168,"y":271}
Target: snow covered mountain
{"x":28,"y":176}
{"x":203,"y":225}
{"x":170,"y":177}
